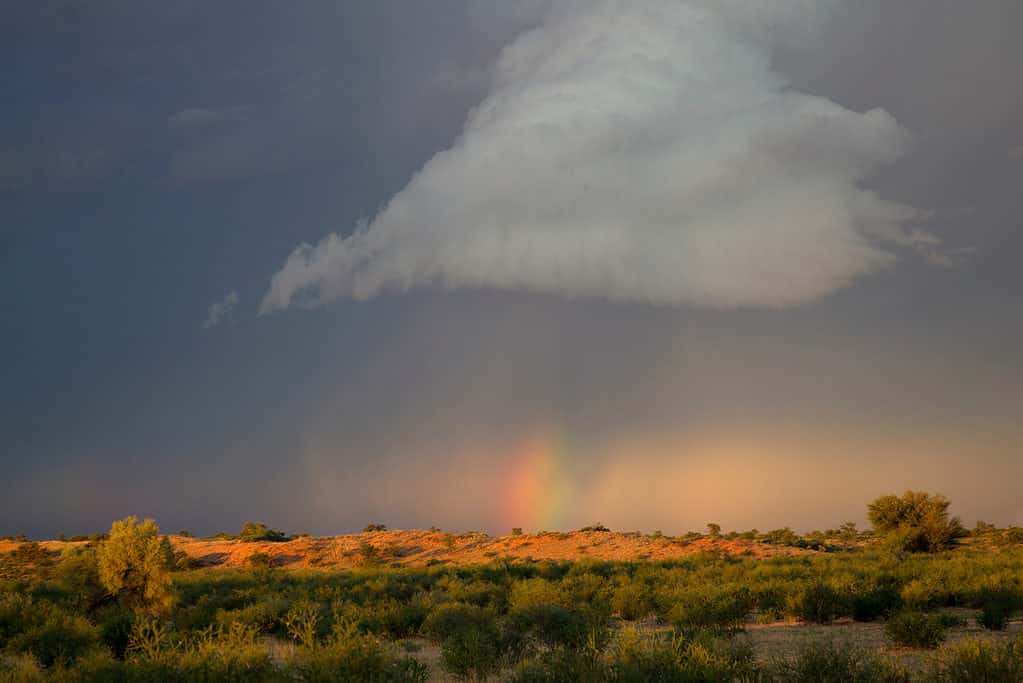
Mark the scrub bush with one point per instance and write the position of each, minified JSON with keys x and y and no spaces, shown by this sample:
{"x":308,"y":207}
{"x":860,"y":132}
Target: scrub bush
{"x":875,"y":603}
{"x":827,"y":662}
{"x":915,"y":629}
{"x":818,"y":603}
{"x":711,"y":609}
{"x":994,"y":615}
{"x":58,"y":639}
{"x":632,"y":600}
{"x":257,"y":531}
{"x":977,"y":661}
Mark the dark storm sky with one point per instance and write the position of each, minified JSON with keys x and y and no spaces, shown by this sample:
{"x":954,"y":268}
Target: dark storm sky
{"x":157,"y":157}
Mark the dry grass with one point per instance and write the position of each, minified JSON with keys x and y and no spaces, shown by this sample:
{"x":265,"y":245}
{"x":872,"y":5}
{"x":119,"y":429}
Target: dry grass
{"x":417,"y":548}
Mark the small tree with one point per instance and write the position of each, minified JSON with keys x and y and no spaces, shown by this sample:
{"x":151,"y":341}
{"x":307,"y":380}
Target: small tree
{"x":257,"y":531}
{"x":983,"y":527}
{"x":916,"y":522}
{"x":134,"y":564}
{"x":714,"y":530}
{"x":370,"y":553}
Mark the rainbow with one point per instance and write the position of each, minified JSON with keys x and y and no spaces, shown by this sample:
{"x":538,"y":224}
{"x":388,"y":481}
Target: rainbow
{"x":539,"y":488}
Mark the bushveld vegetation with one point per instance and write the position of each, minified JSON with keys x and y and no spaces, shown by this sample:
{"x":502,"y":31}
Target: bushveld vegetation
{"x":122,"y":609}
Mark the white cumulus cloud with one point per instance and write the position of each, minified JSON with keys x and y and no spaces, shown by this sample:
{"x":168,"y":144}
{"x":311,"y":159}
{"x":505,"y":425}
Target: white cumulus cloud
{"x":635,"y":150}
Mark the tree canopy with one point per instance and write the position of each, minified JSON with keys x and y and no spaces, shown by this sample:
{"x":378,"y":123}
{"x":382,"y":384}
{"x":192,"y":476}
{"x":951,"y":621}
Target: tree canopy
{"x":134,"y":564}
{"x":257,"y":531}
{"x":916,"y":521}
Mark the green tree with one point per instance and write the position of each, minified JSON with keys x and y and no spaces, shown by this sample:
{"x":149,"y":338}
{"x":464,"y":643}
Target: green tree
{"x":848,"y":532}
{"x":78,"y":573}
{"x":257,"y":531}
{"x":916,"y":521}
{"x":714,"y":530}
{"x":134,"y":564}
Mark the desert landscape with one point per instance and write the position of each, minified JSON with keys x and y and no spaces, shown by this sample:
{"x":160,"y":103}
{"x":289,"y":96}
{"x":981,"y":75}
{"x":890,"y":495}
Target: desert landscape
{"x":917,"y":597}
{"x":429,"y":548}
{"x":511,"y":341}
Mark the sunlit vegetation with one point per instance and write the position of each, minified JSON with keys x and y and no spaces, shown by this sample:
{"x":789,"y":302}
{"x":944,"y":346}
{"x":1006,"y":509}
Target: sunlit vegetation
{"x":253,"y":532}
{"x":124,"y":608}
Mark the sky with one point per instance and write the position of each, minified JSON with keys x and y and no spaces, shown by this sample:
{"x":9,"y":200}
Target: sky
{"x":534,"y":263}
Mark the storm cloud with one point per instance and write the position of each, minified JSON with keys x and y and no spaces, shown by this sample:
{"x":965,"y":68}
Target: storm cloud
{"x":641,"y":151}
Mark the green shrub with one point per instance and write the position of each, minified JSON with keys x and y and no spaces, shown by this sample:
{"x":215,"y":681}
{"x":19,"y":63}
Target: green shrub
{"x":257,"y":531}
{"x":370,"y":528}
{"x":561,"y":666}
{"x":978,"y":661}
{"x":997,"y":606}
{"x":534,"y":592}
{"x":60,"y":639}
{"x":949,"y":620}
{"x":115,"y":627}
{"x":637,"y":659}
{"x":916,"y":522}
{"x":875,"y":603}
{"x":302,"y":623}
{"x":557,"y":626}
{"x":584,"y":589}
{"x":915,"y":629}
{"x":249,"y":666}
{"x":994,"y":615}
{"x":446,"y":620}
{"x":818,"y":603}
{"x":632,"y":600}
{"x":924,"y":593}
{"x":184,"y":562}
{"x":770,"y":601}
{"x":369,"y":554}
{"x":18,"y":613}
{"x":473,"y":654}
{"x":827,"y":662}
{"x":472,"y":643}
{"x":263,"y":616}
{"x":149,"y":640}
{"x":351,"y":657}
{"x":716,"y":610}
{"x":393,"y":619}
{"x":785,"y":537}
